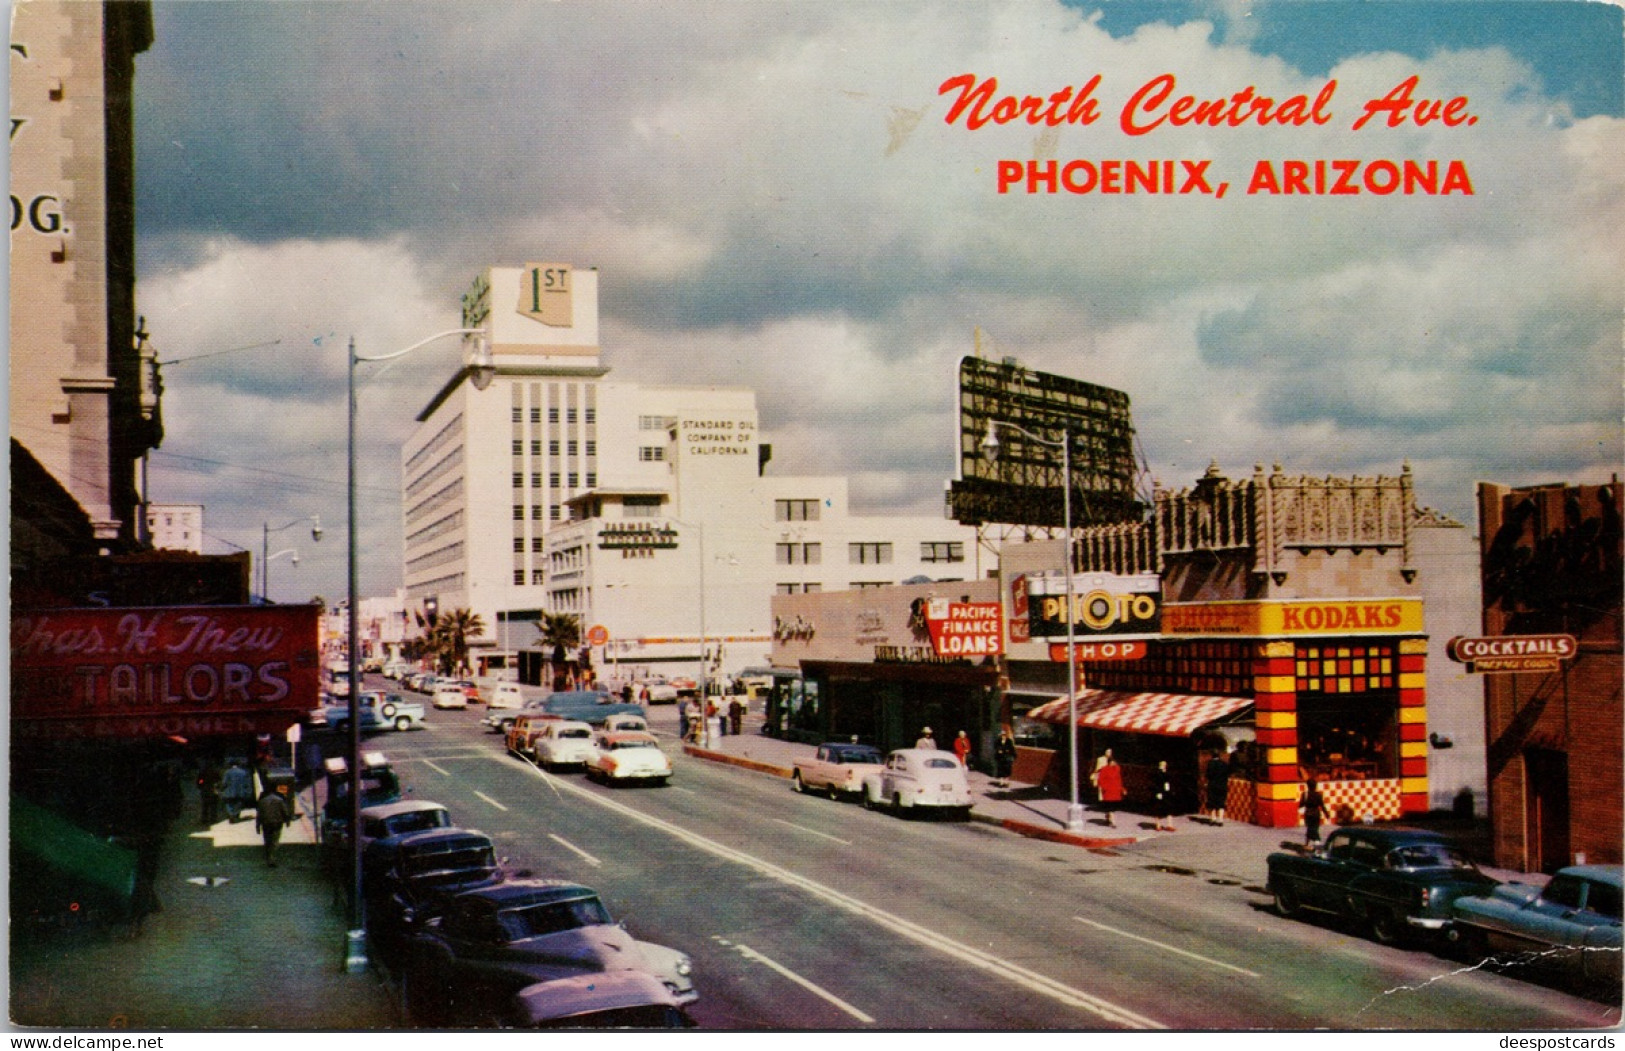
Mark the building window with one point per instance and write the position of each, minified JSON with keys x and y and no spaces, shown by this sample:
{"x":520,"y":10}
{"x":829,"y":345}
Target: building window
{"x":537,"y":545}
{"x":535,"y":417}
{"x":553,"y":513}
{"x":592,"y":447}
{"x":592,"y":479}
{"x":575,"y":480}
{"x":518,"y":512}
{"x":865,"y":585}
{"x":656,"y":423}
{"x":518,"y":447}
{"x":795,"y":510}
{"x":942,"y":551}
{"x":798,"y":589}
{"x":573,"y":447}
{"x":590,"y":415}
{"x":798,"y":554}
{"x":536,"y":513}
{"x":553,"y":447}
{"x":651,"y":453}
{"x":519,"y":577}
{"x":538,"y":576}
{"x":553,"y":480}
{"x":519,"y":479}
{"x":518,"y":414}
{"x":553,"y":415}
{"x":518,"y":545}
{"x":873,"y":553}
{"x":536,"y":480}
{"x":536,"y":447}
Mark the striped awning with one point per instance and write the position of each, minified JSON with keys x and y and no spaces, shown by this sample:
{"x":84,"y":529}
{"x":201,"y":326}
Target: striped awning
{"x":1167,"y":714}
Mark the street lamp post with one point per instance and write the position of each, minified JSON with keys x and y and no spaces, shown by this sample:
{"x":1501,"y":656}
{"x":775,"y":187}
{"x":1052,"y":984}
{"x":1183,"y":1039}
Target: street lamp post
{"x":990,"y":449}
{"x":481,"y":370}
{"x":265,"y":569}
{"x":265,"y":548}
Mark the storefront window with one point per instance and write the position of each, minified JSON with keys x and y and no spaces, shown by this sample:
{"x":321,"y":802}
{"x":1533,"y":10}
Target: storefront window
{"x":1348,"y":737}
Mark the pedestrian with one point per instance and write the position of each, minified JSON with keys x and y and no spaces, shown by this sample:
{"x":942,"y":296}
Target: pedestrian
{"x":1004,"y":758}
{"x":926,"y":740}
{"x":236,"y":789}
{"x":736,"y":714}
{"x":1109,"y":780}
{"x":1094,"y":775}
{"x":270,"y":814}
{"x":1218,"y":787}
{"x":1162,"y":786}
{"x":962,"y":749}
{"x":208,"y":790}
{"x":1312,"y":805}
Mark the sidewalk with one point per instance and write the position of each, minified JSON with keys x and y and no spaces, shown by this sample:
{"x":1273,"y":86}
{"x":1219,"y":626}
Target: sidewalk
{"x":237,"y":945}
{"x":1233,"y":850}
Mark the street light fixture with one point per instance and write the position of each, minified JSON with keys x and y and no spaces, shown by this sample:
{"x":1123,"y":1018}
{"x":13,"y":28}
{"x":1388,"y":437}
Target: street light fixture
{"x":990,"y":449}
{"x":265,"y":568}
{"x":265,"y":548}
{"x":480,"y":370}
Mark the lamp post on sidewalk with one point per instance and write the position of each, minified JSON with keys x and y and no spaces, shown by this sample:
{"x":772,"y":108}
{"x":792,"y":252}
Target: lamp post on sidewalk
{"x":265,"y":570}
{"x":265,"y":548}
{"x":480,"y":369}
{"x":990,"y":449}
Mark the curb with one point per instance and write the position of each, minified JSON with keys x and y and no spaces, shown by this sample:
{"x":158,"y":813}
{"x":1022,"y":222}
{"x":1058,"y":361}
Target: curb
{"x":1021,"y":828}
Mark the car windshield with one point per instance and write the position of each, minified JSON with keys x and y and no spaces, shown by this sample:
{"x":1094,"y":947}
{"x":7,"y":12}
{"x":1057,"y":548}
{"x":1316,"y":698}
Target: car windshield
{"x":622,"y":745}
{"x":552,"y":917}
{"x":940,"y":764}
{"x":417,"y":821}
{"x":441,"y":861}
{"x":1427,"y":856}
{"x":575,"y":734}
{"x":857,"y":755}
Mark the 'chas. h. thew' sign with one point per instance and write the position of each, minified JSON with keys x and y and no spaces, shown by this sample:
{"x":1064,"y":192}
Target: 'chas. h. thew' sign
{"x":181,"y":671}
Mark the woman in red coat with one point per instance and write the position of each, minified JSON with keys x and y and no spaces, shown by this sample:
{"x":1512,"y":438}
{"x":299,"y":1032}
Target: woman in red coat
{"x":1109,"y":780}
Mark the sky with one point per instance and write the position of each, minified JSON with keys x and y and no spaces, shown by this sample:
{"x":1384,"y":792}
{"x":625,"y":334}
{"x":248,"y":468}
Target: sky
{"x":775,"y":197}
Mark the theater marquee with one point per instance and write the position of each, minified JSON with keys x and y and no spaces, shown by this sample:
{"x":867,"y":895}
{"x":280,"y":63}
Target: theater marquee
{"x":184,"y":671}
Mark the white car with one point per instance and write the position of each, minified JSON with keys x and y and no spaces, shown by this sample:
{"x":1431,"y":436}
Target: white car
{"x":449,"y":697}
{"x":563,"y":743}
{"x":918,"y":777}
{"x":656,"y":691}
{"x":626,"y":721}
{"x":628,"y":756}
{"x":506,"y":695}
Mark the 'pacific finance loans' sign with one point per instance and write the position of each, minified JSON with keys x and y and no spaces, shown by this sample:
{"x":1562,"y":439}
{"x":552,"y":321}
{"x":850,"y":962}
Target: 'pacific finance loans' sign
{"x":965,"y":629}
{"x":173,"y":671}
{"x":1102,"y":604}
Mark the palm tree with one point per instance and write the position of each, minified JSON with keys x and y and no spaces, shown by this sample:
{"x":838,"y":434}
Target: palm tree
{"x":450,"y":635}
{"x":560,"y":635}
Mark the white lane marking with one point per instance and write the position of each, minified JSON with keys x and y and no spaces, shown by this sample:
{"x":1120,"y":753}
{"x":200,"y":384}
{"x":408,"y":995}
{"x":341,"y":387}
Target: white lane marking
{"x":567,"y":845}
{"x":442,"y":771}
{"x":1169,"y":948}
{"x":488,"y":799}
{"x":812,"y":831}
{"x":824,"y":994}
{"x":918,"y":933}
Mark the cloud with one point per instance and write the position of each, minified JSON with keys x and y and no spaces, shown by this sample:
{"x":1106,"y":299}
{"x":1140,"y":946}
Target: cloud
{"x":774,"y":200}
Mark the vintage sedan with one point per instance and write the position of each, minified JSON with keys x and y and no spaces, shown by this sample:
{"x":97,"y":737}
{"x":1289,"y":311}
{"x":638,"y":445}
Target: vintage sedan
{"x":560,"y":743}
{"x":628,"y":757}
{"x":408,"y":879}
{"x":402,"y":817}
{"x":1573,"y":922}
{"x":923,"y":778}
{"x":837,"y":768}
{"x":1395,"y":882}
{"x":626,"y":721}
{"x":448,"y":695}
{"x":622,"y":1000}
{"x":377,"y":711}
{"x":466,"y":966}
{"x":526,"y":728}
{"x":656,"y":691}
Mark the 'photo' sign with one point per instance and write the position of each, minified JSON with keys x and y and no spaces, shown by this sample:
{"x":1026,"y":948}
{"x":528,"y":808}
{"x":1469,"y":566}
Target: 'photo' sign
{"x":174,"y":671}
{"x":1101,"y":604}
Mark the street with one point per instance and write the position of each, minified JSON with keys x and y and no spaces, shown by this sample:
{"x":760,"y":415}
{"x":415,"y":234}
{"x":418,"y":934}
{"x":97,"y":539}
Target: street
{"x":804,"y":913}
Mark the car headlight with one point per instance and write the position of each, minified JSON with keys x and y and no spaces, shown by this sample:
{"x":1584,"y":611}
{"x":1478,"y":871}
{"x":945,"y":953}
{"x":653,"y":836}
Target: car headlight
{"x":685,"y":966}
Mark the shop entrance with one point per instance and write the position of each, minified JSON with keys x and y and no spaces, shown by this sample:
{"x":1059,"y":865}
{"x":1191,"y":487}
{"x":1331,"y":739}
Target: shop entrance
{"x":1546,"y":789}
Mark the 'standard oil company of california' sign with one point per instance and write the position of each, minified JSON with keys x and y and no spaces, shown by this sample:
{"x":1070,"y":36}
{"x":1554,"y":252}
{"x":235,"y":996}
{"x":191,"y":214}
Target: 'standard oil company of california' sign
{"x":185,"y":671}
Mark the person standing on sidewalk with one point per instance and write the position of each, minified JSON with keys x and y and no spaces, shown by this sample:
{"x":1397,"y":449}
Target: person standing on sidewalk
{"x":208,"y":790}
{"x":1312,"y":805}
{"x":1004,"y":758}
{"x":1218,"y":787}
{"x":1109,"y":780}
{"x":1162,"y":787}
{"x":925,"y":740}
{"x":270,"y":814}
{"x":962,"y":749}
{"x":237,"y":788}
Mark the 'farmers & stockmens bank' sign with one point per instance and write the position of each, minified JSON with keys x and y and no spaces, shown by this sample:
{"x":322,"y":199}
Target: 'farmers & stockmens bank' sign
{"x":186,"y":671}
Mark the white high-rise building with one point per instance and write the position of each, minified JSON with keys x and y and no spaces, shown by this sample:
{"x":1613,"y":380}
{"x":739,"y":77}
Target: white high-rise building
{"x":644,"y":511}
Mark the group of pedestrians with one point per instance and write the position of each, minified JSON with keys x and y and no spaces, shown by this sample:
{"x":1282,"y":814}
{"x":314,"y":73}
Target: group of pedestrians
{"x":728,"y":711}
{"x":232,"y":791}
{"x":1004,"y":752}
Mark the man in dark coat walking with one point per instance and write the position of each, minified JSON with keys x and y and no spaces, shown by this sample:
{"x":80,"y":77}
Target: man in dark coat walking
{"x":270,"y":814}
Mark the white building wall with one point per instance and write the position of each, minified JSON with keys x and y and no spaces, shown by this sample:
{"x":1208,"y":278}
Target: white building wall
{"x":176,"y":527}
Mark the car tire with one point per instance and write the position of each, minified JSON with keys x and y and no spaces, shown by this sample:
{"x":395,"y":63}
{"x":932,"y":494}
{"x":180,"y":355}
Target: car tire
{"x":1387,"y":926}
{"x":387,"y":711}
{"x":869,"y":801}
{"x":834,"y":792}
{"x":1286,"y":899}
{"x":796,"y":783}
{"x":340,"y":727}
{"x":403,"y":723}
{"x":897,"y":801}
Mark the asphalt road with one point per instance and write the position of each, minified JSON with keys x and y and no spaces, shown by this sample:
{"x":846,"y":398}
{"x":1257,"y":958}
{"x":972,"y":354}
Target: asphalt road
{"x":803,"y":913}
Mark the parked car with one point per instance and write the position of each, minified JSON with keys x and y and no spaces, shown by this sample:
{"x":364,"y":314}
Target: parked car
{"x":471,"y":690}
{"x":1392,"y":881}
{"x":379,"y":785}
{"x":562,"y":742}
{"x":656,"y":691}
{"x":408,"y":879}
{"x":524,"y":729}
{"x":465,"y":966}
{"x":623,"y":1000}
{"x":622,"y":757}
{"x":448,"y":696}
{"x":1573,"y":922}
{"x":377,"y":711}
{"x":626,"y":721}
{"x":918,"y":777}
{"x":836,"y":768}
{"x":402,"y":817}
